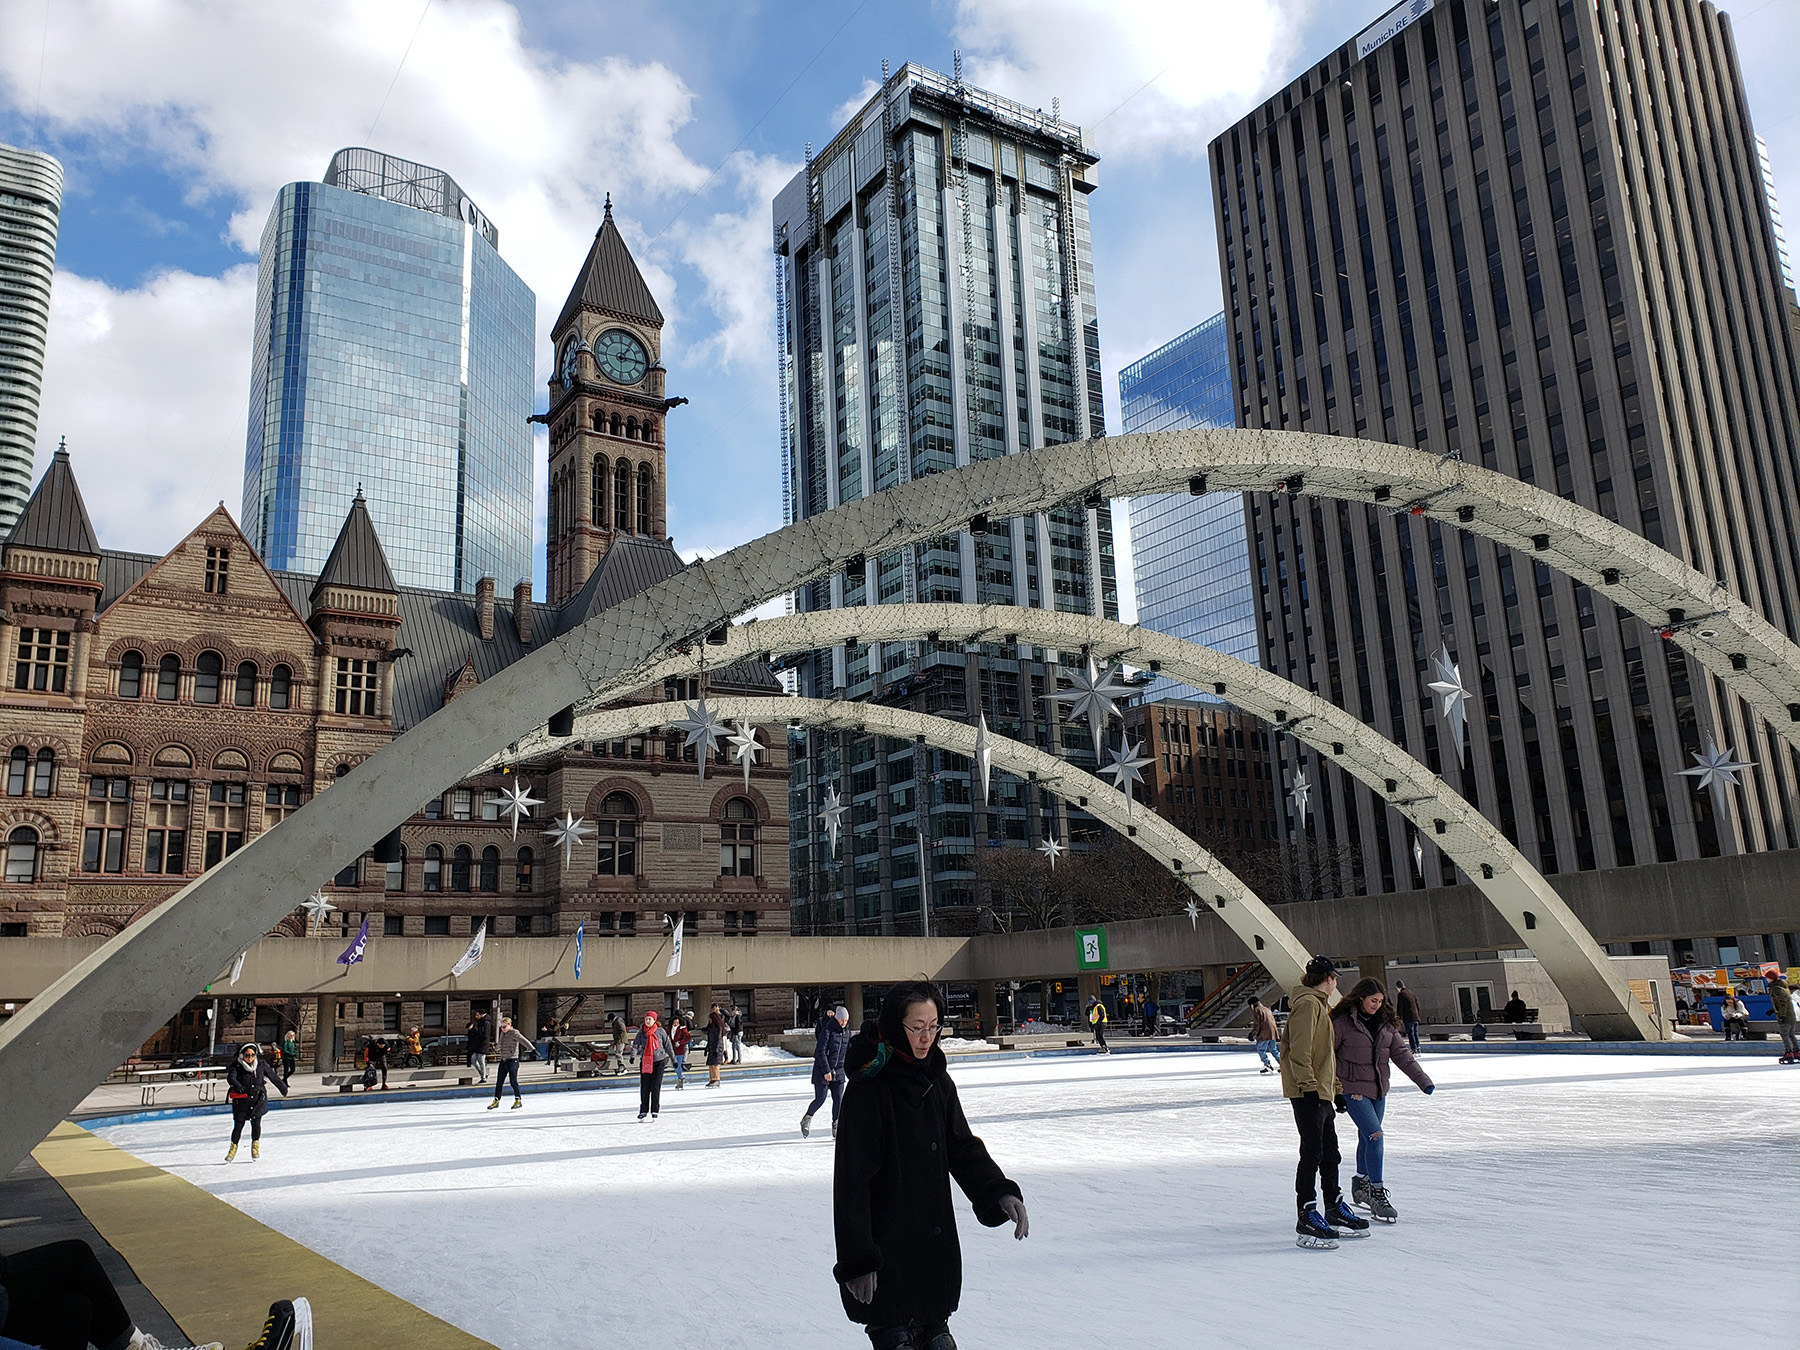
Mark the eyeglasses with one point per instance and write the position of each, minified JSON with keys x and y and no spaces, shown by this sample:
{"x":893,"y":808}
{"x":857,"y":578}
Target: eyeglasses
{"x":922,"y":1028}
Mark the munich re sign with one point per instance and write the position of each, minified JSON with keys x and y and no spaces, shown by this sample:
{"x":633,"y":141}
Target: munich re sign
{"x":1394,"y":21}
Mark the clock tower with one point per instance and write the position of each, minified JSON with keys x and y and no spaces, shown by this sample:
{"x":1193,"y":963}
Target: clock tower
{"x":607,"y":415}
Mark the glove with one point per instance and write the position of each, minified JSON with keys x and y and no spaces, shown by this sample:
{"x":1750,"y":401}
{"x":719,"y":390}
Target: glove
{"x":1341,"y":1104}
{"x":1014,"y":1209}
{"x":1429,"y":1088}
{"x":862,"y":1288}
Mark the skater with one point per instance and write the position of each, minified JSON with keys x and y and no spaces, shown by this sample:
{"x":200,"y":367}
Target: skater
{"x":1152,"y":1017}
{"x":652,"y":1050}
{"x":715,"y":1045}
{"x":831,"y":1039}
{"x":736,"y":1026}
{"x":290,"y":1053}
{"x":1366,"y":1040}
{"x":1515,"y":1010}
{"x":478,"y":1044}
{"x":1097,"y":1020}
{"x":1408,"y":1008}
{"x":1309,"y":1082}
{"x":899,"y":1264}
{"x":1781,"y":998}
{"x":508,"y":1046}
{"x":1264,"y":1032}
{"x":415,"y":1050}
{"x":1734,"y":1016}
{"x":246,"y":1085}
{"x":375,"y":1056}
{"x":681,"y":1040}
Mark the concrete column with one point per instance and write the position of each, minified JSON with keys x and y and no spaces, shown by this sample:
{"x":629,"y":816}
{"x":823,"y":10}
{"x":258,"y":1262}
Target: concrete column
{"x":701,"y":999}
{"x":324,"y":1034}
{"x":853,"y":1000}
{"x":525,"y":1012}
{"x":1089,"y":986}
{"x":988,"y":1004}
{"x":1372,"y":968}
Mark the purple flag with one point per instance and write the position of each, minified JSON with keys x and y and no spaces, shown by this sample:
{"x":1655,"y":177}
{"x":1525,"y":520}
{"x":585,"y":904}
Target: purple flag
{"x":354,"y":952}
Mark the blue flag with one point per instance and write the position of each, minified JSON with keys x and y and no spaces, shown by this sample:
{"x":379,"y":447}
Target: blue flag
{"x":580,"y":928}
{"x":354,"y":952}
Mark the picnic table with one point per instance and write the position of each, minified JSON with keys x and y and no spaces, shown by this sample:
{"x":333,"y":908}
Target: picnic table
{"x":205,"y":1081}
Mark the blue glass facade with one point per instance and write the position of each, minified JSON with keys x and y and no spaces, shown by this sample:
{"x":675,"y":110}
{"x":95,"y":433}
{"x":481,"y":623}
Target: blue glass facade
{"x":392,"y":350}
{"x":1189,"y":553}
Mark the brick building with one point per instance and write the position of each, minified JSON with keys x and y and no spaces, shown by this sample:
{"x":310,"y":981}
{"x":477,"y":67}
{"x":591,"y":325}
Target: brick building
{"x":158,"y":713}
{"x":1208,"y":773}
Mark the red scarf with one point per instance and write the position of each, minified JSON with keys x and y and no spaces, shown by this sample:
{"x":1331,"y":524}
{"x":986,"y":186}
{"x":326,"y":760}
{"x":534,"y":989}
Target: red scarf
{"x":649,"y":1064}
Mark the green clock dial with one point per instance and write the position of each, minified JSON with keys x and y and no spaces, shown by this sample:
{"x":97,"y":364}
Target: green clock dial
{"x":566,"y":368}
{"x":622,"y":357}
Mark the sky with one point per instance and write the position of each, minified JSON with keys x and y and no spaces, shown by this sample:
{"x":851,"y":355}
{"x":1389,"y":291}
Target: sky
{"x":177,"y":121}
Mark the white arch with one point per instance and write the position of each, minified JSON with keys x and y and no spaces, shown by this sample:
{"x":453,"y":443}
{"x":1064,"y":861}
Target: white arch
{"x":1217,"y":887}
{"x":1578,"y":966}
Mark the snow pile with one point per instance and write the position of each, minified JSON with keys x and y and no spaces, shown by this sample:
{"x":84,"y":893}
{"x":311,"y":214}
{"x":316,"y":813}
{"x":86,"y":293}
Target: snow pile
{"x":1045,"y":1029}
{"x":767,"y":1054}
{"x":1541,"y":1198}
{"x":951,"y":1044}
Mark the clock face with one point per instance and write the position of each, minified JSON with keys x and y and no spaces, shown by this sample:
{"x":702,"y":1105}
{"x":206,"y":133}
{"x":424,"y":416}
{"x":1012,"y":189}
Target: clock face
{"x":566,"y":370}
{"x":622,"y":357}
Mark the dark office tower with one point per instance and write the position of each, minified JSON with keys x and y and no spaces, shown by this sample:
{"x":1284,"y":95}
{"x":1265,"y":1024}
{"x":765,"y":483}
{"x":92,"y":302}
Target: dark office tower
{"x":936,"y":299}
{"x":1533,"y":235}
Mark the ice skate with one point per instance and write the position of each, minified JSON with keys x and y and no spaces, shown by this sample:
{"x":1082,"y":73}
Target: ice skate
{"x":643,"y":1115}
{"x":1380,"y":1208}
{"x":231,"y":1153}
{"x":517,"y":1103}
{"x":1346,"y":1220}
{"x":1314,"y":1232}
{"x":255,"y":1150}
{"x":494,"y":1105}
{"x":288,"y":1327}
{"x":806,"y":1125}
{"x":1359,"y":1192}
{"x":143,"y":1340}
{"x":655,"y":1114}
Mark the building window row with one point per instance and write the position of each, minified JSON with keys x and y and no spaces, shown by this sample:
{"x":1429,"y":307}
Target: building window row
{"x":43,"y":661}
{"x":466,"y":868}
{"x":31,"y":775}
{"x":612,"y":424}
{"x":211,"y":685}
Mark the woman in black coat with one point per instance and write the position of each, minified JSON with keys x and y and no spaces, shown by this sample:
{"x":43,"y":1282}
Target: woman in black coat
{"x":715,"y":1045}
{"x":246,"y":1083}
{"x":901,"y":1139}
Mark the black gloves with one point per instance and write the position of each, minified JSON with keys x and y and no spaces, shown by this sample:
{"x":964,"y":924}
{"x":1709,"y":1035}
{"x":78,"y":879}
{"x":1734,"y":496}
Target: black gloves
{"x":1341,"y":1104}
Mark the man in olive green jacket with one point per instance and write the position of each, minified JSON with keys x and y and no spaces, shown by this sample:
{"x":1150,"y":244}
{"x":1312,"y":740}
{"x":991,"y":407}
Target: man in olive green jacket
{"x":1309,"y":1081}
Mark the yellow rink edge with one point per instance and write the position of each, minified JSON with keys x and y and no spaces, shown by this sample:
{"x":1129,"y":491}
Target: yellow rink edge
{"x":216,"y":1269}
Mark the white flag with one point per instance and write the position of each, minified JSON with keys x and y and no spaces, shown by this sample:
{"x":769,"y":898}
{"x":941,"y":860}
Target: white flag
{"x":472,"y":957}
{"x":675,"y":951}
{"x":237,"y":966}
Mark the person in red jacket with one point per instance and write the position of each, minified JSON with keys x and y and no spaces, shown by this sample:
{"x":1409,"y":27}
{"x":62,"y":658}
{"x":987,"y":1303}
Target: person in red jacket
{"x":1367,"y":1040}
{"x":682,"y":1037}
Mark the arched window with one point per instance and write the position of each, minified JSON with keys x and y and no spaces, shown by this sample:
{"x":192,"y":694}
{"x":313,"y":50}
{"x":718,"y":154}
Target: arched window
{"x":622,"y":497}
{"x":737,"y":839}
{"x":599,"y":419}
{"x":490,"y":868}
{"x":281,"y":681}
{"x":168,"y":678}
{"x":550,"y":511}
{"x":206,"y":677}
{"x":617,"y":829}
{"x":649,"y":429}
{"x":434,"y":868}
{"x":17,"y":769}
{"x":615,"y":424}
{"x":246,"y":684}
{"x":631,"y":428}
{"x":643,"y":512}
{"x":22,"y":855}
{"x":44,"y":780}
{"x":396,"y":873}
{"x":131,"y":674}
{"x":459,"y":867}
{"x":522,"y":881}
{"x":597,"y":490}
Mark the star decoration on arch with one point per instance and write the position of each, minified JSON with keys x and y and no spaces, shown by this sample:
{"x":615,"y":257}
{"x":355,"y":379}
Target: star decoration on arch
{"x":1193,"y":912}
{"x":745,"y":749}
{"x":1300,"y":793}
{"x":832,"y":817}
{"x":1452,"y":696}
{"x":1127,"y":768}
{"x":1093,"y":697}
{"x":518,"y":803}
{"x":1419,"y":857}
{"x":1052,"y":850}
{"x":1716,"y":769}
{"x":568,"y":832}
{"x":316,"y":907}
{"x":702,"y":728}
{"x":984,"y":755}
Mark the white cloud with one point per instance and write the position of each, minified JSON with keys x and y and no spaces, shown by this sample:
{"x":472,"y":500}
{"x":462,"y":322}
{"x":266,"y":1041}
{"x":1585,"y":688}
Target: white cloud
{"x":841,"y":115}
{"x":731,"y":252}
{"x":1204,"y":61}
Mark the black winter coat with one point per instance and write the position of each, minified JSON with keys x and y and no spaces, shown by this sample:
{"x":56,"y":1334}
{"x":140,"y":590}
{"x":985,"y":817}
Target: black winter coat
{"x":830,"y":1040}
{"x":478,"y":1038}
{"x":901,"y":1137}
{"x":249,"y":1088}
{"x":715,"y":1039}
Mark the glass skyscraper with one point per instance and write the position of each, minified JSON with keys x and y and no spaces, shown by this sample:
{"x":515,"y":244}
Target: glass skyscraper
{"x":30,"y":202}
{"x":392,"y":352}
{"x":936,"y":302}
{"x":1189,"y":554}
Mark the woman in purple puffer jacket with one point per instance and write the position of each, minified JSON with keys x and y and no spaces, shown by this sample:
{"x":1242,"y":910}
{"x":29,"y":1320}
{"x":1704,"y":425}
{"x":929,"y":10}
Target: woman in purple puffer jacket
{"x":1367,"y":1037}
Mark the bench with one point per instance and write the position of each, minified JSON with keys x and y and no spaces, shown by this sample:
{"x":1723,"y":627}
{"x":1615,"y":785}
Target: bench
{"x":1521,"y":1031}
{"x":205,"y":1081}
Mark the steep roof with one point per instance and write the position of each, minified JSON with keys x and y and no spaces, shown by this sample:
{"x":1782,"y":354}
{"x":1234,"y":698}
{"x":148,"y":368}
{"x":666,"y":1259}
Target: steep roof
{"x":633,"y":564}
{"x":357,"y":561}
{"x":56,"y":517}
{"x":609,"y":281}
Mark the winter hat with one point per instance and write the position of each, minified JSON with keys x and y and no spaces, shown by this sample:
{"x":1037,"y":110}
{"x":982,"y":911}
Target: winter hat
{"x":841,"y":1013}
{"x":1318,"y":970}
{"x":650,"y":1017}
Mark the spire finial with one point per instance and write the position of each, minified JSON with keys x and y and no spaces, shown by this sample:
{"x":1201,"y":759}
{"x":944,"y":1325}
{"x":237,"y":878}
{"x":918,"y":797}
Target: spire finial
{"x":359,"y":492}
{"x":62,"y":449}
{"x":609,"y":206}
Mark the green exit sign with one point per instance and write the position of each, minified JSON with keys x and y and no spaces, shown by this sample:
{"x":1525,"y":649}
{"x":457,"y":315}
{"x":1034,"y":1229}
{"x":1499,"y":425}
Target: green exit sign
{"x":1090,"y":948}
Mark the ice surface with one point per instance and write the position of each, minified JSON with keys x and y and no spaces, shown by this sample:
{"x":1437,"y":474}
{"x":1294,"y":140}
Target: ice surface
{"x":1546,"y":1200}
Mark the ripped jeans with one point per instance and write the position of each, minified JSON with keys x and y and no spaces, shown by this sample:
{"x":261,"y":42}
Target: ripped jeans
{"x":1367,"y":1113}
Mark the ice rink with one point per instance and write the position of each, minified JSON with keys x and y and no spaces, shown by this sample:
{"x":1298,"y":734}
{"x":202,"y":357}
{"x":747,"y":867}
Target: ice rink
{"x":1546,"y":1200}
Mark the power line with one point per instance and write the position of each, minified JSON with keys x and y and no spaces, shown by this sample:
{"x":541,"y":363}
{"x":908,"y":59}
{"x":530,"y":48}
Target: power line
{"x":402,"y":66}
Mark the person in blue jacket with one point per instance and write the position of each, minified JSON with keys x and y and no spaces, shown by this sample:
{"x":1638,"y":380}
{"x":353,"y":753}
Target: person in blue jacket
{"x":830,"y":1039}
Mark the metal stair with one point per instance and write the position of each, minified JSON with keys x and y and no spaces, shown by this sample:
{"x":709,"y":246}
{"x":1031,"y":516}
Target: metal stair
{"x":1225,"y":1005}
